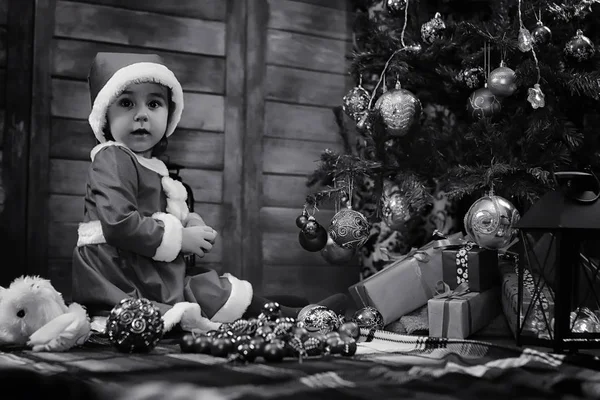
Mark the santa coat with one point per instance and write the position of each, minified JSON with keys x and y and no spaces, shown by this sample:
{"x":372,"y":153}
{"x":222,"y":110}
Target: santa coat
{"x":129,"y":243}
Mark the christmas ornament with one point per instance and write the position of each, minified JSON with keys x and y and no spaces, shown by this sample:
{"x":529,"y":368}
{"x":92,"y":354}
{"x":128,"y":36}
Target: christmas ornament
{"x":356,"y":102}
{"x":315,"y":243}
{"x":395,"y":7}
{"x":395,"y":209}
{"x":348,"y":347}
{"x":349,"y":329}
{"x":525,"y":40}
{"x":583,"y":320}
{"x":202,"y":344}
{"x":400,"y":110}
{"x":134,"y":325}
{"x":580,"y":47}
{"x":302,"y":219}
{"x":311,"y":228}
{"x":501,"y":81}
{"x":335,"y":254}
{"x":246,"y":352}
{"x":433,"y":29}
{"x":349,"y":229}
{"x":364,"y":123}
{"x":483,"y":104}
{"x":541,"y":34}
{"x":368,"y":317}
{"x":187,"y":343}
{"x":536,"y":97}
{"x":472,"y":77}
{"x":320,"y":319}
{"x":221,"y":346}
{"x":490,"y":221}
{"x":273,"y":352}
{"x":314,"y":346}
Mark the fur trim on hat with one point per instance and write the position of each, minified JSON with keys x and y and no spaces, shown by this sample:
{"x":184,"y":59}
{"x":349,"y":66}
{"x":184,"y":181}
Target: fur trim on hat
{"x":135,"y":73}
{"x":238,"y":301}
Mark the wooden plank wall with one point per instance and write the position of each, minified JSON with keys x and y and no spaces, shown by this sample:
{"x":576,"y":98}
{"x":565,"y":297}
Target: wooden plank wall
{"x":307,"y":43}
{"x":3,"y":46}
{"x":191,"y":36}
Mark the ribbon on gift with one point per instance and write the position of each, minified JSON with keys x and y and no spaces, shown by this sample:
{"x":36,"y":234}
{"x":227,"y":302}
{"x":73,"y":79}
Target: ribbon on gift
{"x":462,"y":259}
{"x":444,"y":292}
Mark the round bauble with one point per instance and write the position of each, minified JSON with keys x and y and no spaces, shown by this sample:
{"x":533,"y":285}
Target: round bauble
{"x":490,"y":222}
{"x":313,"y":244}
{"x":368,"y":317}
{"x":319,"y":319}
{"x":580,"y":47}
{"x":433,"y":29}
{"x":335,"y":254}
{"x":395,"y":7}
{"x":395,"y":208}
{"x":356,"y":102}
{"x":400,"y":109}
{"x":472,"y":77}
{"x":541,"y":34}
{"x":349,"y":229}
{"x":483,"y":104}
{"x":134,"y":325}
{"x":501,"y":81}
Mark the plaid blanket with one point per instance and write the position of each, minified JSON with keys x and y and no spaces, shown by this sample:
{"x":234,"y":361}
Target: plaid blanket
{"x":387,"y":366}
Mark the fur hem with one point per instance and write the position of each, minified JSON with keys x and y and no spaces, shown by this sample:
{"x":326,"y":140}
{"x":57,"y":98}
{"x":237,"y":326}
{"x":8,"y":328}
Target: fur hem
{"x":238,"y":301}
{"x":170,"y":246}
{"x":135,"y":73}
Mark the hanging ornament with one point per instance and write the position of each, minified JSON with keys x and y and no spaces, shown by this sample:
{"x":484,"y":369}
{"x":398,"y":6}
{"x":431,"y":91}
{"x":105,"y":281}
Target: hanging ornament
{"x":313,"y":236}
{"x":349,"y":229}
{"x":400,"y":109}
{"x":490,"y":222}
{"x":395,"y":7}
{"x":472,"y":77}
{"x":501,"y":81}
{"x":433,"y":29}
{"x":302,"y":219}
{"x":311,"y":228}
{"x":356,"y":102}
{"x":525,"y":40}
{"x":580,"y":47}
{"x":536,"y":97}
{"x":541,"y":34}
{"x":364,"y":124}
{"x":134,"y":325}
{"x":395,"y":208}
{"x":368,"y":317}
{"x":335,"y":254}
{"x":483,"y":104}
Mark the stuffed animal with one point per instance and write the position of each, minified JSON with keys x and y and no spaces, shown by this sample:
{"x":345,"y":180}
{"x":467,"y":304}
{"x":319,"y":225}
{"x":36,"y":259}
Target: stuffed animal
{"x":33,"y":313}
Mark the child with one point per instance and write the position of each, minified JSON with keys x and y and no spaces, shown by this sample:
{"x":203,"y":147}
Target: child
{"x":136,"y":221}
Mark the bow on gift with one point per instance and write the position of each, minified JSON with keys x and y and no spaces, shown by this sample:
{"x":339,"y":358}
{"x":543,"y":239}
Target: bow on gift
{"x":444,"y":292}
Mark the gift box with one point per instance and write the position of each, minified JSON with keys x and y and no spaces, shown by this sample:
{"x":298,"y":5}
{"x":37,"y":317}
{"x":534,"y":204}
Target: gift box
{"x":536,"y":322}
{"x":407,"y":283}
{"x":472,"y":264}
{"x":460,"y":313}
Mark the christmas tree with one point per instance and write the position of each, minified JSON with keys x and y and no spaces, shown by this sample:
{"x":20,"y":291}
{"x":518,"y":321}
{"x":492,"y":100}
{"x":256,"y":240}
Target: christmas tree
{"x":469,"y":98}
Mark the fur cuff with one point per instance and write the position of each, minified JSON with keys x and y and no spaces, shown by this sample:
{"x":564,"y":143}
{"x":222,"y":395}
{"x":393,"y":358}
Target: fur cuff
{"x":170,"y":246}
{"x":238,"y":301}
{"x":90,"y":233}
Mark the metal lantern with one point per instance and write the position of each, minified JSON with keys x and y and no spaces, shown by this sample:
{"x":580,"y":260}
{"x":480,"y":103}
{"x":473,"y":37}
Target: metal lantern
{"x":558,"y":269}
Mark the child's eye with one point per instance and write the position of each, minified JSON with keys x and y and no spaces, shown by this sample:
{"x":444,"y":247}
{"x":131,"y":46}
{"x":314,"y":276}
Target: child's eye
{"x":154,"y":104}
{"x":125,"y":103}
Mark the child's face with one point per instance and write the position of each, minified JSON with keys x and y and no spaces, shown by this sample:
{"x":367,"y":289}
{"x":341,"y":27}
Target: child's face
{"x":138,"y":117}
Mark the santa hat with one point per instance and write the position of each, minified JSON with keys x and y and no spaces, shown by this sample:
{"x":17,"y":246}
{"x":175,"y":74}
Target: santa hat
{"x":110,"y":75}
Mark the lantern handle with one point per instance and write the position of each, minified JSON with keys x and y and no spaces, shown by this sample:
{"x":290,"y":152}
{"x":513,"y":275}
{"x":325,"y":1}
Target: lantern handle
{"x":577,"y":186}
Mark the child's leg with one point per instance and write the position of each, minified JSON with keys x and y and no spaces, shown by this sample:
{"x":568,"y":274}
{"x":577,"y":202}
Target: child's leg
{"x":338,"y":303}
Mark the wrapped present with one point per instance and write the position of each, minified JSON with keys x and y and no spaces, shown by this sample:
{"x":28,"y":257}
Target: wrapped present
{"x":469,"y":263}
{"x":460,"y":313}
{"x":405,"y":284}
{"x":537,"y":310}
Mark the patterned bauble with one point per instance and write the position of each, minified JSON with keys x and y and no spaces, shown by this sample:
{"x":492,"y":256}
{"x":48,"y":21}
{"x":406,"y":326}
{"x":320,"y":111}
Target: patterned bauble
{"x":400,"y":110}
{"x":472,"y":77}
{"x":483,"y":104}
{"x":317,"y":318}
{"x":349,"y":347}
{"x":335,"y":254}
{"x":349,"y":229}
{"x":356,"y":102}
{"x":541,"y":34}
{"x":490,"y":222}
{"x":395,"y":208}
{"x":433,"y":29}
{"x":134,"y":325}
{"x":368,"y":317}
{"x":580,"y":47}
{"x":395,"y":7}
{"x":501,"y":81}
{"x":314,"y":346}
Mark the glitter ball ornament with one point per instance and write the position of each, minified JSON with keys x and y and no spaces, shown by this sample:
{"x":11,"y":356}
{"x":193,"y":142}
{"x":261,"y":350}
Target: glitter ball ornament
{"x":395,"y":208}
{"x":536,"y":97}
{"x":368,"y":317}
{"x":319,"y":319}
{"x":349,"y":229}
{"x":356,"y":102}
{"x":400,"y":109}
{"x":134,"y":325}
{"x":490,"y":222}
{"x":395,"y":7}
{"x":483,"y":104}
{"x":335,"y":254}
{"x":525,"y":40}
{"x":433,"y":29}
{"x":580,"y":47}
{"x":541,"y":34}
{"x":472,"y":77}
{"x":501,"y":81}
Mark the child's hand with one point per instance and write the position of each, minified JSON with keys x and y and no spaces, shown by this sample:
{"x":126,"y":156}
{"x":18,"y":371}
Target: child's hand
{"x":194,"y":219}
{"x":198,"y":239}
